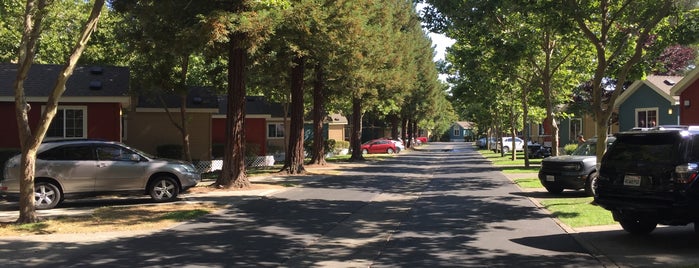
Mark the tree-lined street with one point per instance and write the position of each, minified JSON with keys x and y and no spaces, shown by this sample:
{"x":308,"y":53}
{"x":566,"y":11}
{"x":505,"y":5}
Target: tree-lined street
{"x":447,"y":207}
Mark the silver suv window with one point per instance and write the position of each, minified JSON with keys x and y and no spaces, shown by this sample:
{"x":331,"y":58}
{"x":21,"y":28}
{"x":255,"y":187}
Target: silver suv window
{"x":113,"y":153}
{"x":69,"y":153}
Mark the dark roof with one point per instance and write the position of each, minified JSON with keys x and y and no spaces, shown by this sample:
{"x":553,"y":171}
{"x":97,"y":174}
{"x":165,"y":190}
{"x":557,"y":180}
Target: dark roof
{"x":86,"y":81}
{"x":198,"y":97}
{"x":254,"y":105}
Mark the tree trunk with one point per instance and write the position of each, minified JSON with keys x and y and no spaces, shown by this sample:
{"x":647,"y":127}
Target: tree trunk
{"x":527,"y":129}
{"x":404,"y":131}
{"x":394,"y":126}
{"x":29,"y":142}
{"x":318,"y":157}
{"x":513,"y":132}
{"x":293,"y":163}
{"x":183,"y":110}
{"x":355,"y":137}
{"x":233,"y":171}
{"x":411,"y":134}
{"x":183,"y":129}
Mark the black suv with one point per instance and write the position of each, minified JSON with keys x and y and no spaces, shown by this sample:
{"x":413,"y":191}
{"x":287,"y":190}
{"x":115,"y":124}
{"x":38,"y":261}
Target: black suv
{"x":575,"y":171}
{"x":648,"y":178}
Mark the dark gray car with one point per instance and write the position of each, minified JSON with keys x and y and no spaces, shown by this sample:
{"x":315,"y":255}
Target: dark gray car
{"x":88,"y":168}
{"x":575,"y":171}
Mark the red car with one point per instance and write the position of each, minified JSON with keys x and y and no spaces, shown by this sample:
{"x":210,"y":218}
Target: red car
{"x":378,"y":147}
{"x":422,"y":139}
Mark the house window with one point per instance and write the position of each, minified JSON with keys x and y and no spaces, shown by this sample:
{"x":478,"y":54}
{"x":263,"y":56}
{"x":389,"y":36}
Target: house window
{"x":647,"y":117}
{"x":275,"y":130}
{"x":541,"y":129}
{"x":575,"y":129}
{"x":457,"y":132}
{"x":69,"y":123}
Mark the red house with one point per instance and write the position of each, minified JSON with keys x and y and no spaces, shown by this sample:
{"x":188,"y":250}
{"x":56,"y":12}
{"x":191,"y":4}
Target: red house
{"x":263,"y":124}
{"x":688,"y":90}
{"x":91,"y":106}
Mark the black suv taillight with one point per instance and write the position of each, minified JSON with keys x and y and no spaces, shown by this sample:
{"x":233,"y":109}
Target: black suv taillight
{"x":686,"y":173}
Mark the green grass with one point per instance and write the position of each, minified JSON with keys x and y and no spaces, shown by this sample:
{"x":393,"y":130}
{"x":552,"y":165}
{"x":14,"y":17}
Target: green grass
{"x":522,"y":169}
{"x":529,"y":183}
{"x":498,"y":159}
{"x":578,"y":211}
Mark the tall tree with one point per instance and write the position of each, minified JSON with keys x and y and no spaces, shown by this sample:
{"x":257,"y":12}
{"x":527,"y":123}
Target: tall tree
{"x":62,"y":17}
{"x":32,"y":136}
{"x":620,"y":32}
{"x":240,"y":27}
{"x":163,"y":45}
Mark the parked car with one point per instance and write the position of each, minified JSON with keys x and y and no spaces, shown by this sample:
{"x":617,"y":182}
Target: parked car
{"x":649,"y":177}
{"x":378,"y":146}
{"x":399,"y":145}
{"x":506,"y":143}
{"x":575,"y":171}
{"x":536,"y":150}
{"x":482,"y":143}
{"x":421,"y":139}
{"x":77,"y":168}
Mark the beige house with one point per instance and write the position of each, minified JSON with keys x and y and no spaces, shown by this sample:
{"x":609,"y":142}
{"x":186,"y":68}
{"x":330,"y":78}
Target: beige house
{"x":147,"y":126}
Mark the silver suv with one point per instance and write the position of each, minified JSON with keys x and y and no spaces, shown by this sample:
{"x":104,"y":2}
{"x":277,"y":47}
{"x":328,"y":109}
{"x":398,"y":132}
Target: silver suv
{"x":75,"y":168}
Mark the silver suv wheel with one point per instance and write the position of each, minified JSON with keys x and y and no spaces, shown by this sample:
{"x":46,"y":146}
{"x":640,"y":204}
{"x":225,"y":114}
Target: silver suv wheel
{"x":46,"y":195}
{"x":163,"y":189}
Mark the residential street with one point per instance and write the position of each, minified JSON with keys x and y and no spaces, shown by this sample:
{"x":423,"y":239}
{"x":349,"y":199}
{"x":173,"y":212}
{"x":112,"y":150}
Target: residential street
{"x":417,"y":210}
{"x":443,"y":207}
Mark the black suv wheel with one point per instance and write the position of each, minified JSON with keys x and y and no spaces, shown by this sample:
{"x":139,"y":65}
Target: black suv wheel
{"x":637,"y":224}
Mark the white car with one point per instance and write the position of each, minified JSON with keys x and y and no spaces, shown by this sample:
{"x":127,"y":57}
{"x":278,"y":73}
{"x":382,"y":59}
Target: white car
{"x":506,"y":144}
{"x":399,"y":145}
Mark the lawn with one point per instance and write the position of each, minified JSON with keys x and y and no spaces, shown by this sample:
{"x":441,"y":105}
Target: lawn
{"x":529,"y":183}
{"x":578,"y":211}
{"x":506,"y":160}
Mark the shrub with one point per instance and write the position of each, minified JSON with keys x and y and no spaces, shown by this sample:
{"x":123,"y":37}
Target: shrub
{"x":252,"y":150}
{"x":342,"y":144}
{"x":171,"y":151}
{"x":569,"y":148}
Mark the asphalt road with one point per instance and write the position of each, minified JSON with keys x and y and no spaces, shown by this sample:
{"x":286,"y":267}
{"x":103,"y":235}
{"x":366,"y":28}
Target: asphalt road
{"x":443,"y":208}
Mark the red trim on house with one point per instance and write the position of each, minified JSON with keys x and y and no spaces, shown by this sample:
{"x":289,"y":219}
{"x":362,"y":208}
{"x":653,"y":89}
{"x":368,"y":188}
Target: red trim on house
{"x":689,"y":115}
{"x":103,"y":121}
{"x":255,"y":132}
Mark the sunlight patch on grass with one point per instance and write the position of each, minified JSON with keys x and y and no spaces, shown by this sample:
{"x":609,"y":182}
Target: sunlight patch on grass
{"x":529,"y":183}
{"x":578,"y":212}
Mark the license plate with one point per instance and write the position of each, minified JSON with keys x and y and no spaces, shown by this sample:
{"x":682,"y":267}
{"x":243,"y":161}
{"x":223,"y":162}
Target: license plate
{"x":632,"y":180}
{"x":550,"y":178}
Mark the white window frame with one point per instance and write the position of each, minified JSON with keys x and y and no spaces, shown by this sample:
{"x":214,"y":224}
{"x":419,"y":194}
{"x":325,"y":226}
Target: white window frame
{"x":645,"y":120}
{"x":84,"y":123}
{"x":124,"y":126}
{"x":540,"y":129}
{"x":457,"y":132}
{"x":276,"y":125}
{"x":572,"y":133}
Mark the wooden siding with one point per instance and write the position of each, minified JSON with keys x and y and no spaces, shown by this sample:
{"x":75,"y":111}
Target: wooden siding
{"x":689,"y":115}
{"x":645,"y":98}
{"x":103,"y":121}
{"x":147,"y":130}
